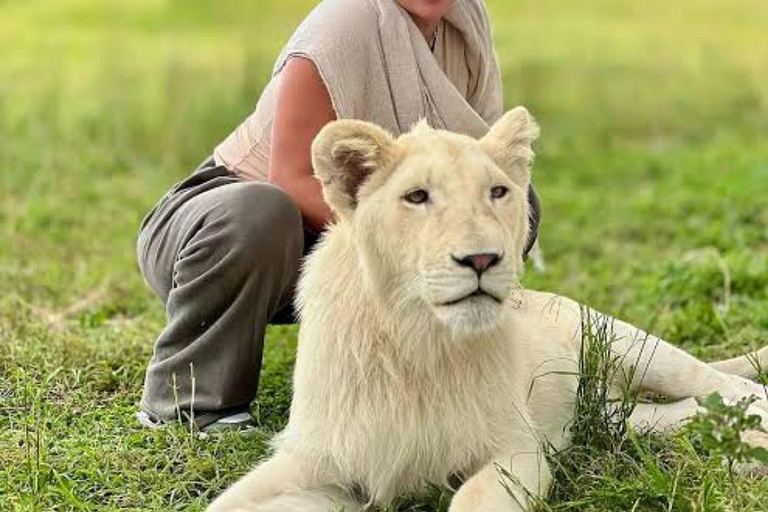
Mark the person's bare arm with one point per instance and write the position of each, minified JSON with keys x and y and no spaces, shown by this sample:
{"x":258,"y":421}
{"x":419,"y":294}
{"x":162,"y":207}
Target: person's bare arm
{"x":303,"y":108}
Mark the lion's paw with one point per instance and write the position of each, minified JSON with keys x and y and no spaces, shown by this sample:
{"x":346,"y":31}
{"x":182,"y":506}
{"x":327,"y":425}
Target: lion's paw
{"x":741,"y":387}
{"x":751,"y":469}
{"x":755,"y":439}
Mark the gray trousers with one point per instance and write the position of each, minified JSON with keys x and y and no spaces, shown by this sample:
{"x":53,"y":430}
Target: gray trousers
{"x":223,"y":254}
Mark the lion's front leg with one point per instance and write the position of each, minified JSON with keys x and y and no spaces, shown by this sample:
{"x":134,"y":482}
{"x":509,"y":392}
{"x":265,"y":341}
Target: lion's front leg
{"x":507,"y":484}
{"x":283,"y":483}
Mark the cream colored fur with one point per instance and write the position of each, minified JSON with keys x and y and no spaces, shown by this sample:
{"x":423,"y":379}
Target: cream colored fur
{"x":399,"y":383}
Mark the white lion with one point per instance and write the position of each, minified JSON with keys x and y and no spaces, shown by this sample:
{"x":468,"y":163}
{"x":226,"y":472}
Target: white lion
{"x":418,"y":349}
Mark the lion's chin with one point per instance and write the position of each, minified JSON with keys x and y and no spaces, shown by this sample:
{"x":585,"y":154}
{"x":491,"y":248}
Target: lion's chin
{"x":471,"y":316}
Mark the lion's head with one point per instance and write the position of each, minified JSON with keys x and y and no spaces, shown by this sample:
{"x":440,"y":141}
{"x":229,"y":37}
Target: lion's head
{"x":439,"y":220}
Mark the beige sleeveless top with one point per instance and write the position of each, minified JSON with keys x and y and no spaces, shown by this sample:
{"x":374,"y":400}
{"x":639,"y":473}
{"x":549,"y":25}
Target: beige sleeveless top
{"x":378,"y":67}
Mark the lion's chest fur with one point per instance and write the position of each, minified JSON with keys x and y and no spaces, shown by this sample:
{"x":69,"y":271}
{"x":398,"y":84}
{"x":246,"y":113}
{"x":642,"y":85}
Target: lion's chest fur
{"x":391,"y":430}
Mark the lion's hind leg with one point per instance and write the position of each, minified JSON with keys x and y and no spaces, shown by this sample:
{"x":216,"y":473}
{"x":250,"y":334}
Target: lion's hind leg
{"x":747,"y":366}
{"x":283,"y":483}
{"x":663,"y":418}
{"x":668,"y":418}
{"x":653,"y":364}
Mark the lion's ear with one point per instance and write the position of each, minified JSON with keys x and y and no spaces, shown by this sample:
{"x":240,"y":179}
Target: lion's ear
{"x":509,"y":144}
{"x":344,"y":155}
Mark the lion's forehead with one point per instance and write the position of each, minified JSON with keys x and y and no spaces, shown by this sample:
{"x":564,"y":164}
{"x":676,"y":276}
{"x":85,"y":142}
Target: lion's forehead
{"x":447,"y":161}
{"x":443,"y":146}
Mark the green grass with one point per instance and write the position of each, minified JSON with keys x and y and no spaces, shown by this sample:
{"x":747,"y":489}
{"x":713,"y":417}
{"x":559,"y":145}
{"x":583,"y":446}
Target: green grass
{"x":653,"y":171}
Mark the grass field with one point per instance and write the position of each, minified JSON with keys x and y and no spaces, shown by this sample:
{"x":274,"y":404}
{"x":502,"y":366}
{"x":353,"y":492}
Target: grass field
{"x":652,"y":169}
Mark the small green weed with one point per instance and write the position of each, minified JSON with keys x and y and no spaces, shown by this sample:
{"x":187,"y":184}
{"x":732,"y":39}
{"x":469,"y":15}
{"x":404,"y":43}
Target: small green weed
{"x":720,"y":428}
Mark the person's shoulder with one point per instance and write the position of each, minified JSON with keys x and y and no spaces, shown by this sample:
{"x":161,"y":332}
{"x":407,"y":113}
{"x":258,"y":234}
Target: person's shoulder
{"x":476,"y":11}
{"x":336,"y":22}
{"x":337,"y":37}
{"x":476,"y":7}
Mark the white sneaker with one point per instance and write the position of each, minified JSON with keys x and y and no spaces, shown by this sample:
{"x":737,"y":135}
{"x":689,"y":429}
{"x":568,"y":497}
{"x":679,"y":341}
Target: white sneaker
{"x":241,"y":421}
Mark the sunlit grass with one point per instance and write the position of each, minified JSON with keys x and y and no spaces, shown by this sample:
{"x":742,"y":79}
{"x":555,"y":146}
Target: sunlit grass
{"x":653,"y":170}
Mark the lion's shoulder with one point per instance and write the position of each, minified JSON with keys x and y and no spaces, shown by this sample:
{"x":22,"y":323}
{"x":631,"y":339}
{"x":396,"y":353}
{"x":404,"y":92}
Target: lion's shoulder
{"x":546,"y":318}
{"x":546,"y":305}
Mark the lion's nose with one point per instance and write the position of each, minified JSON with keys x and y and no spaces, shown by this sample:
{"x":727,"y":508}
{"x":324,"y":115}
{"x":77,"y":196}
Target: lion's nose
{"x":479,"y":262}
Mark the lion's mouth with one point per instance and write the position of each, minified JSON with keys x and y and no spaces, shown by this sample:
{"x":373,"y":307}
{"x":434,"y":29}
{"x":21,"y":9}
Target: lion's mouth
{"x":478,"y":293}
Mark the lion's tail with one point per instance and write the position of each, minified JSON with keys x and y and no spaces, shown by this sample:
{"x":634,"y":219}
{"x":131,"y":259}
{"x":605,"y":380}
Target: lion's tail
{"x":748,"y":366}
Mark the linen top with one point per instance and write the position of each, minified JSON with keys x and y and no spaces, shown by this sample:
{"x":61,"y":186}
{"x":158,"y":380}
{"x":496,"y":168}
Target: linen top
{"x":378,"y":67}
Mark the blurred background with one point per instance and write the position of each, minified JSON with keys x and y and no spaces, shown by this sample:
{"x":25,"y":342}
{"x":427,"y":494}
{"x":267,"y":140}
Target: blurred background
{"x":652,"y":169}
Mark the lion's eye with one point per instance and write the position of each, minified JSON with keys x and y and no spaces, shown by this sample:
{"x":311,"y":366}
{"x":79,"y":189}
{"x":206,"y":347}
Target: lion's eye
{"x":417,"y":196}
{"x":499,"y":191}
